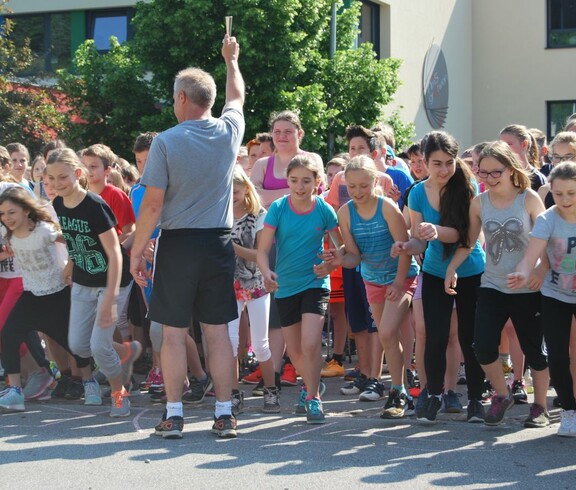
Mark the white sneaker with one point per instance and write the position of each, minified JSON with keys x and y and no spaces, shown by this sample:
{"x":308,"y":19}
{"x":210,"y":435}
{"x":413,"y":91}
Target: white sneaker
{"x":373,"y":391}
{"x":567,"y":423}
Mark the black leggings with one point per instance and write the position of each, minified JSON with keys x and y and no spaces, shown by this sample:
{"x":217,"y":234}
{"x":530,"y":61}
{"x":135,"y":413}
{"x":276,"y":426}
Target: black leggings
{"x":49,"y":314}
{"x":437,"y":313}
{"x":557,"y":323}
{"x":492,"y":312}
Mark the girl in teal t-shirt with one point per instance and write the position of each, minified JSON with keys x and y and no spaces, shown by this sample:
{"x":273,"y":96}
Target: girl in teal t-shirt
{"x":298,"y":222}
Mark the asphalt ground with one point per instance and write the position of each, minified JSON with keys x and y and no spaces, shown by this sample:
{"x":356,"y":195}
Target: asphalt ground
{"x":65,"y":445}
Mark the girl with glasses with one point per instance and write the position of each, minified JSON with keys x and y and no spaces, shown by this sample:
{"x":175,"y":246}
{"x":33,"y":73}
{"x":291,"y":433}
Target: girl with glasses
{"x":505,"y":213}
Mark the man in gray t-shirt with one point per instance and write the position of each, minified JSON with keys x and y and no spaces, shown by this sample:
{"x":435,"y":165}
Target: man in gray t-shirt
{"x":188,"y":180}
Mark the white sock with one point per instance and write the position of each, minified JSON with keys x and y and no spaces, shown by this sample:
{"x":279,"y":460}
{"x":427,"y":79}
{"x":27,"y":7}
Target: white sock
{"x":174,"y":409}
{"x":223,"y":408}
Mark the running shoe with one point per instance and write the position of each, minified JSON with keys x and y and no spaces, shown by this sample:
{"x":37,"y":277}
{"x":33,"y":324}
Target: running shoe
{"x":259,"y":389}
{"x":289,"y":377}
{"x":373,"y":391}
{"x":61,"y":387}
{"x":170,"y":428}
{"x":500,"y":405}
{"x":12,"y":400}
{"x":475,"y":412}
{"x":351,"y":374}
{"x":301,"y":406}
{"x":538,"y":417}
{"x":197,"y":391}
{"x":253,"y":378}
{"x":157,"y":381}
{"x":487,"y":391}
{"x":567,"y":424}
{"x":451,"y":402}
{"x":225,"y":427}
{"x":147,"y":382}
{"x":314,"y":412}
{"x":56,"y":374}
{"x":237,"y":402}
{"x":160,"y":397}
{"x":332,"y":369}
{"x":355,"y":387}
{"x":120,"y":404}
{"x":132,"y":388}
{"x":412,"y":379}
{"x":519,"y":392}
{"x":37,"y":383}
{"x":271,"y":400}
{"x":75,"y":389}
{"x":395,"y":407}
{"x":92,"y":395}
{"x":421,"y":402}
{"x":410,"y":407}
{"x":431,"y":407}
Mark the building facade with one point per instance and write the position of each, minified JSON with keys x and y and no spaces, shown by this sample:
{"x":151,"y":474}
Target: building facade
{"x":469,"y":67}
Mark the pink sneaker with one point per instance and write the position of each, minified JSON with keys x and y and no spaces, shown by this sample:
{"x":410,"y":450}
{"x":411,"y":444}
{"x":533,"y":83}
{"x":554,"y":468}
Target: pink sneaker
{"x":145,"y":385}
{"x":158,"y":380}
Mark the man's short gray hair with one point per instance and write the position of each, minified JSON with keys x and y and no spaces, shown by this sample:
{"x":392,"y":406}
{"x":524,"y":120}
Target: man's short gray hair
{"x":198,"y":85}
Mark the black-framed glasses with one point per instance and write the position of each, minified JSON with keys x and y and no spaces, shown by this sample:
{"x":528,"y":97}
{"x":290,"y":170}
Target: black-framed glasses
{"x":495,"y":174}
{"x":562,"y":158}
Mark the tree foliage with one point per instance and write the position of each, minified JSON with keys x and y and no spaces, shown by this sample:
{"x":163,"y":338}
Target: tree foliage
{"x":108,"y":96}
{"x":284,"y":59}
{"x":28,"y":112}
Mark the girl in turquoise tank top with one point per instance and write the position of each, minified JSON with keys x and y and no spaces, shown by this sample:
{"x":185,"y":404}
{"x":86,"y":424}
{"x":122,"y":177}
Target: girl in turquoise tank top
{"x":440,"y":221}
{"x":370,"y":224}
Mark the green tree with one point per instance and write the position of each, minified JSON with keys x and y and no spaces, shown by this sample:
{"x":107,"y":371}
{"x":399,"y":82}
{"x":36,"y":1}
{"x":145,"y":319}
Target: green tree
{"x":28,"y":112}
{"x":284,"y":59}
{"x":108,"y":96}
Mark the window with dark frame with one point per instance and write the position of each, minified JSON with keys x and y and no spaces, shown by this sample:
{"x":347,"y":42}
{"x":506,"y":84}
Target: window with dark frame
{"x":102,"y":24}
{"x":557,"y":112}
{"x":370,"y":25}
{"x":561,"y":23}
{"x":49,"y":36}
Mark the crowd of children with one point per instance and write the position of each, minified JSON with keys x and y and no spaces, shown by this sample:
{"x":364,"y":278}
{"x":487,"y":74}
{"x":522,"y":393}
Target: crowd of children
{"x":442,"y":257}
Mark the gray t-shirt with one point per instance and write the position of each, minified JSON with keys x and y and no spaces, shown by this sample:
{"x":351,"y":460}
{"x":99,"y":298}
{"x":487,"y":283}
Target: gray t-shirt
{"x":560,"y":281}
{"x":194,"y":162}
{"x":507,"y":233}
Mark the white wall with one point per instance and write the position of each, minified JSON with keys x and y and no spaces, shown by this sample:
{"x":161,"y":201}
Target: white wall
{"x":514,"y":73}
{"x":414,"y":26}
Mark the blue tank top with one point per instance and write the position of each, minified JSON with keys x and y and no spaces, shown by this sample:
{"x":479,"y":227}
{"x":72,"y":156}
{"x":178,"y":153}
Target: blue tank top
{"x":374,"y":240}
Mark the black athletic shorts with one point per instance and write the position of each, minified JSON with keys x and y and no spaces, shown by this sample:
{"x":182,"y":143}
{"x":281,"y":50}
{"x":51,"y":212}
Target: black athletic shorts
{"x":193,"y":278}
{"x":291,"y":308}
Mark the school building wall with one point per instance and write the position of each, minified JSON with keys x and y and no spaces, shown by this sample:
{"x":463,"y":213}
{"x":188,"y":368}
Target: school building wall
{"x":407,"y":30}
{"x":514,"y":73}
{"x":499,"y":69}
